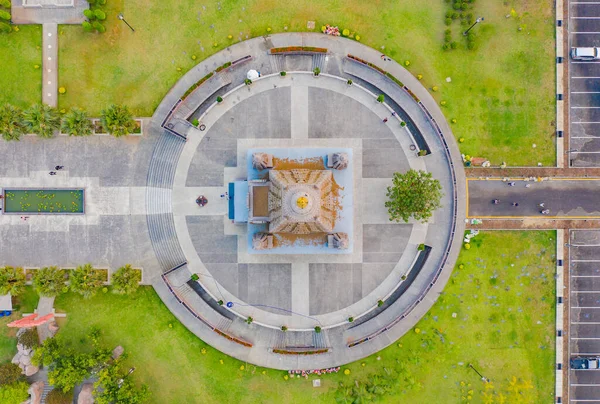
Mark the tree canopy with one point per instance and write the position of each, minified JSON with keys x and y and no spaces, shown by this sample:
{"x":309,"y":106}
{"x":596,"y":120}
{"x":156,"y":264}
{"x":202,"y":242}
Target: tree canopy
{"x":49,"y":281}
{"x":86,"y":280}
{"x":118,"y":120}
{"x":413,"y":194}
{"x":42,"y":120}
{"x":11,"y":122}
{"x":126,"y":280}
{"x":76,"y":122}
{"x":12,"y":280}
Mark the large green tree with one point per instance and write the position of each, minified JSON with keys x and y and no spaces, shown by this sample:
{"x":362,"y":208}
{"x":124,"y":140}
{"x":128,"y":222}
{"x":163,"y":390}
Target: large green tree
{"x":118,"y":120}
{"x":76,"y":122}
{"x":126,"y":280}
{"x":10,"y":373}
{"x":11,"y":122}
{"x":413,"y":194}
{"x":14,"y":393}
{"x":41,"y":119}
{"x":86,"y":280}
{"x":12,"y":280}
{"x":115,"y":386}
{"x":49,"y":281}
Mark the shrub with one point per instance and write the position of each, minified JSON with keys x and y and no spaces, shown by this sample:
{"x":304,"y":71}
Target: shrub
{"x":57,"y":396}
{"x":249,"y":320}
{"x":349,"y":82}
{"x":219,"y":99}
{"x":89,"y":14}
{"x":99,"y":14}
{"x":282,"y":74}
{"x":42,"y":120}
{"x":11,"y":122}
{"x":421,"y":246}
{"x":350,"y":319}
{"x":86,"y":280}
{"x":464,"y":6}
{"x":102,"y":2}
{"x":5,"y":3}
{"x":77,"y":123}
{"x":118,"y":120}
{"x":434,"y":88}
{"x":323,"y":28}
{"x":471,"y":45}
{"x":448,"y":21}
{"x":446,"y":46}
{"x":380,"y":98}
{"x":126,"y":280}
{"x":14,"y":393}
{"x":456,"y":6}
{"x":346,"y":32}
{"x":467,"y":246}
{"x":284,"y":328}
{"x":447,"y":37}
{"x":449,"y":14}
{"x":455,"y":16}
{"x":317,"y":329}
{"x":10,"y":373}
{"x":5,"y":15}
{"x":379,"y":303}
{"x":422,"y":152}
{"x":87,"y":27}
{"x":91,"y":1}
{"x":29,"y":338}
{"x":316,"y":71}
{"x":357,"y":38}
{"x":195,"y":277}
{"x":454,"y":45}
{"x":402,"y":123}
{"x":195,"y":122}
{"x":49,"y":281}
{"x":99,"y":27}
{"x":247,"y":82}
{"x":5,"y":28}
{"x":220,"y":302}
{"x":403,"y":277}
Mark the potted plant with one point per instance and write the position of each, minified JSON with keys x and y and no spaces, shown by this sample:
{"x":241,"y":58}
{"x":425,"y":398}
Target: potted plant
{"x":422,"y":152}
{"x":316,"y":71}
{"x":402,"y":123}
{"x":379,"y":303}
{"x":220,"y":302}
{"x":249,"y":320}
{"x":247,"y":82}
{"x":350,"y":319}
{"x":284,"y":328}
{"x":282,"y":73}
{"x":219,"y":99}
{"x":349,"y":82}
{"x":195,"y":277}
{"x":421,"y":246}
{"x":317,"y":329}
{"x":380,"y":98}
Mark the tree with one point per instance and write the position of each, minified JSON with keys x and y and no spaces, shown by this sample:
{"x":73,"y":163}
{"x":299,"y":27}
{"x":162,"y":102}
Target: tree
{"x":87,"y":27}
{"x":118,"y":120}
{"x":89,"y":14}
{"x":77,"y":123}
{"x":29,"y":338}
{"x":47,"y":353}
{"x":49,"y":281}
{"x":11,"y":122}
{"x":413,"y":194}
{"x":14,"y":393}
{"x":59,"y":397}
{"x":114,"y":386}
{"x":99,"y":27}
{"x":12,"y":280}
{"x":69,"y":369}
{"x":4,"y":27}
{"x":126,"y":280}
{"x":10,"y":373}
{"x":86,"y":281}
{"x":5,"y":15}
{"x":42,"y":120}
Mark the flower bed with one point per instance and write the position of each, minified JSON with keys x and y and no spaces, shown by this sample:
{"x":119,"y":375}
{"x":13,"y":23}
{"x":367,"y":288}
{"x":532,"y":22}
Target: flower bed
{"x":229,"y":337}
{"x":196,"y":85}
{"x":371,"y":65}
{"x":222,"y":67}
{"x":290,"y":49}
{"x":307,"y":352}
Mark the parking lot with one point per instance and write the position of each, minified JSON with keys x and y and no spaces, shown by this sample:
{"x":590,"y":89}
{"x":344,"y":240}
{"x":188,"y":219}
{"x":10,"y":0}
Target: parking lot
{"x":584,"y":336}
{"x":584,"y":85}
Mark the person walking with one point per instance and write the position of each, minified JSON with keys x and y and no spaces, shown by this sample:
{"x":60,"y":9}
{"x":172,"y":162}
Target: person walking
{"x":52,"y":173}
{"x":515,"y":204}
{"x":385,"y":120}
{"x":59,"y":168}
{"x":542,"y":205}
{"x":511,"y":184}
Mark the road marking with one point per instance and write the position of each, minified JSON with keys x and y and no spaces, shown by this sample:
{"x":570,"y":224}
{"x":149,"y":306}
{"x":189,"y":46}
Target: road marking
{"x":583,"y":338}
{"x":585,"y":92}
{"x":582,"y":322}
{"x":585,"y":307}
{"x":585,"y":18}
{"x":584,"y":107}
{"x":585,"y":32}
{"x":585,"y":291}
{"x":583,"y":123}
{"x":585,"y":77}
{"x":585,"y":276}
{"x":584,"y":137}
{"x":583,"y":260}
{"x":578,"y":63}
{"x":585,"y":385}
{"x":585,"y":2}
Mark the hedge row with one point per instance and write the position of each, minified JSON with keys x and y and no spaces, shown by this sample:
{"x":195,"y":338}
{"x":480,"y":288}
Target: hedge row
{"x":298,"y":49}
{"x":224,"y":66}
{"x":314,"y":352}
{"x":229,"y":337}
{"x":196,"y":85}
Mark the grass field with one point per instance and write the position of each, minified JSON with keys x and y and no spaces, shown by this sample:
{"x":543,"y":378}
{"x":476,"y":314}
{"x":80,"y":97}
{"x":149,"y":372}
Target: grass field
{"x":504,"y":325}
{"x":25,"y":303}
{"x":20,"y":52}
{"x":501,"y":93}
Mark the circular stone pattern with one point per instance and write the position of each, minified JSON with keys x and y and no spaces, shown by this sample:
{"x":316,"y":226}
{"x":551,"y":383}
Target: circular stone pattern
{"x":317,"y":286}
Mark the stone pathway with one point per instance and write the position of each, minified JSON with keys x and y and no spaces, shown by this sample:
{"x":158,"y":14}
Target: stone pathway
{"x":45,"y":306}
{"x":50,"y":64}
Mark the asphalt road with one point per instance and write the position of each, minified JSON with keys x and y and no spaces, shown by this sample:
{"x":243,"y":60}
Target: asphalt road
{"x":564,"y":198}
{"x":584,"y":86}
{"x":584,"y":335}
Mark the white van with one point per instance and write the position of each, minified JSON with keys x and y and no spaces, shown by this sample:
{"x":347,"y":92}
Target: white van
{"x":585,"y":53}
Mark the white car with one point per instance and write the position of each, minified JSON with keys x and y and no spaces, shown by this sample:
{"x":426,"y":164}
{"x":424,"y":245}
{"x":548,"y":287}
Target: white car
{"x":585,"y":53}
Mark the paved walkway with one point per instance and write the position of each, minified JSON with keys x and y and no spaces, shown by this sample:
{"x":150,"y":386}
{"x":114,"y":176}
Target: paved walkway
{"x":45,"y":306}
{"x":50,"y":64}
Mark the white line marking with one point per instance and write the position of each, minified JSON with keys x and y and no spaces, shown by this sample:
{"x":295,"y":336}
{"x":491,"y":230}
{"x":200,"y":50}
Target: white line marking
{"x":585,"y":291}
{"x":585,"y":307}
{"x":585,"y":385}
{"x":585,"y":77}
{"x":585,"y":92}
{"x":581,"y":338}
{"x":584,"y":137}
{"x":585,"y":18}
{"x":578,"y":63}
{"x":585,"y":32}
{"x":585,"y":2}
{"x":583,"y":123}
{"x":585,"y":260}
{"x":583,"y":322}
{"x":585,"y":107}
{"x":585,"y":276}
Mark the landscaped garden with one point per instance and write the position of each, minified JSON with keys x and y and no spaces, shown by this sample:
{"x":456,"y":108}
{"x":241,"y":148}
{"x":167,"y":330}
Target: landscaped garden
{"x":44,"y":201}
{"x":497,"y":313}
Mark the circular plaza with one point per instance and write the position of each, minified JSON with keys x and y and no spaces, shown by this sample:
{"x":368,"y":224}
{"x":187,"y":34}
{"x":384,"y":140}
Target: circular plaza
{"x":290,"y":260}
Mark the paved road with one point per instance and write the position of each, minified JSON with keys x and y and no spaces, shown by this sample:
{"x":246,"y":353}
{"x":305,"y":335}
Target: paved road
{"x":584,"y":335}
{"x":564,"y":198}
{"x":584,"y":86}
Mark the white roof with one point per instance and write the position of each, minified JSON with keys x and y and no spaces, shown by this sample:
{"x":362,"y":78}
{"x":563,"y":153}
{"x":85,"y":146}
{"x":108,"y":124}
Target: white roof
{"x":5,"y":302}
{"x":252,"y":74}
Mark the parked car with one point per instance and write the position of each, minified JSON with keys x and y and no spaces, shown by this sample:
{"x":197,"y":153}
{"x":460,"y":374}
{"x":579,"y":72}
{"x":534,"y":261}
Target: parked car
{"x":585,"y":363}
{"x":585,"y":53}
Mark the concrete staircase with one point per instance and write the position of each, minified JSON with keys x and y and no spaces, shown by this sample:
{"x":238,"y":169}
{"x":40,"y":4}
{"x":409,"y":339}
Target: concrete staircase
{"x":158,"y":201}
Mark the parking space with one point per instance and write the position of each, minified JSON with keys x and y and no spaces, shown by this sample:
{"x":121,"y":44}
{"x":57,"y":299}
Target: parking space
{"x":584,"y":86}
{"x":584,"y":316}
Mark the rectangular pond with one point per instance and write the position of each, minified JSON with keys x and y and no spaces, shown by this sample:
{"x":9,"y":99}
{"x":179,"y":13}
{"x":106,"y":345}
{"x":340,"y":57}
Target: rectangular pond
{"x":44,"y":201}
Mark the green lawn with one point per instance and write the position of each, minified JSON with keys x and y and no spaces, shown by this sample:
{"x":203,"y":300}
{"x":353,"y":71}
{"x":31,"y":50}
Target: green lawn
{"x":25,"y":303}
{"x":501,"y":94}
{"x":20,"y":52}
{"x":504,"y":325}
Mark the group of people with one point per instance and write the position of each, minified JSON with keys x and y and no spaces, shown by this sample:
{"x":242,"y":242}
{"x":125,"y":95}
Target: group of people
{"x":542,"y":206}
{"x":57,"y":168}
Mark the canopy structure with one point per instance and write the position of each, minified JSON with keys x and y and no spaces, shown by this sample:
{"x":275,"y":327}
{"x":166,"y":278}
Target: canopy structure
{"x":33,"y":320}
{"x":252,"y":74}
